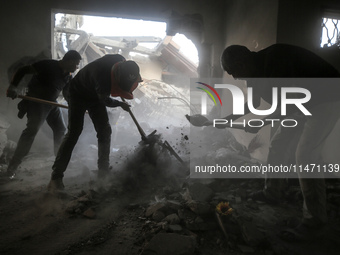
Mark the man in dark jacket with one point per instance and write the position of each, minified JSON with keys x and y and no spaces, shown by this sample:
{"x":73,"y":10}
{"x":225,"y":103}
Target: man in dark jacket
{"x":90,"y":91}
{"x":50,"y":77}
{"x":303,"y":141}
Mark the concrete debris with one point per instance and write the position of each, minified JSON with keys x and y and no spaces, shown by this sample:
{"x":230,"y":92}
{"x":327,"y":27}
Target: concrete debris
{"x":238,"y":200}
{"x":74,"y":206}
{"x":200,"y":208}
{"x":4,"y":125}
{"x":172,"y":219}
{"x":153,"y":208}
{"x":158,"y":216}
{"x":200,"y":192}
{"x":245,"y":249}
{"x":83,"y":204}
{"x":252,"y":236}
{"x":193,"y":214}
{"x":185,"y":214}
{"x":211,"y":224}
{"x":89,"y":213}
{"x":170,"y":244}
{"x":175,"y":228}
{"x":175,"y":205}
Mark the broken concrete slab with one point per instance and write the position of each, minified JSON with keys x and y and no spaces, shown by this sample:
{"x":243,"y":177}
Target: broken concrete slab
{"x":200,"y":192}
{"x":158,"y":216}
{"x":201,"y":226}
{"x":74,"y":206}
{"x":251,"y":235}
{"x":200,"y":208}
{"x":89,"y":213}
{"x":186,"y":214}
{"x":172,"y":219}
{"x":175,"y":228}
{"x":153,"y":208}
{"x":175,"y":205}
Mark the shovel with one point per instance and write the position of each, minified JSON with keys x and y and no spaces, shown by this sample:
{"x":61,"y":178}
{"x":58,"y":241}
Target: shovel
{"x":152,"y":138}
{"x":42,"y":101}
{"x":145,"y":138}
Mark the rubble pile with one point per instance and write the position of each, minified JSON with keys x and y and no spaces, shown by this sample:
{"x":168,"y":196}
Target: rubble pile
{"x":163,"y":211}
{"x":6,"y":146}
{"x":190,"y":214}
{"x":187,"y":218}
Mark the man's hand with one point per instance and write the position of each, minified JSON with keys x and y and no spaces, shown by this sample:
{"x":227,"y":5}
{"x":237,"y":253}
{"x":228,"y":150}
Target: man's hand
{"x":198,"y":120}
{"x":252,"y":130}
{"x":125,"y":106}
{"x":12,"y":92}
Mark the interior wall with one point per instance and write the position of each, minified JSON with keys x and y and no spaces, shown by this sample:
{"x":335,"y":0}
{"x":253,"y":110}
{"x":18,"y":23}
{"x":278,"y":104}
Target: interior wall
{"x":251,"y":23}
{"x":254,"y":25}
{"x":299,"y":23}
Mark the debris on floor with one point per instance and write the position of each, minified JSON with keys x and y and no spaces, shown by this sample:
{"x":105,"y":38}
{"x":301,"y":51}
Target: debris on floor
{"x":148,"y":205}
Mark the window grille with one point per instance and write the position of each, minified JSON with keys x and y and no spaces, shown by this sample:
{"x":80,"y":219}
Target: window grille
{"x":330,"y":28}
{"x":330,"y":32}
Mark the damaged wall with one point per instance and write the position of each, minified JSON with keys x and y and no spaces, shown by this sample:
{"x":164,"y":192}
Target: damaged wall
{"x":299,"y":23}
{"x":258,"y":24}
{"x":253,"y":24}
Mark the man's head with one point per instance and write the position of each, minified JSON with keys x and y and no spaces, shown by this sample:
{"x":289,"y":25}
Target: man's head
{"x":70,"y":61}
{"x":124,"y":79}
{"x":236,"y":60}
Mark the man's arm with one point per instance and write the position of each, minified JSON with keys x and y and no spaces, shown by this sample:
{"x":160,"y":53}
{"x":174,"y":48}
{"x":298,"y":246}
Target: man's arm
{"x":110,"y":102}
{"x":12,"y":89}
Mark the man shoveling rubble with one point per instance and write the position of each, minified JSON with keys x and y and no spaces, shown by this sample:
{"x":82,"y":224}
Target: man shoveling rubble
{"x":287,"y":61}
{"x":50,"y":77}
{"x":90,"y":91}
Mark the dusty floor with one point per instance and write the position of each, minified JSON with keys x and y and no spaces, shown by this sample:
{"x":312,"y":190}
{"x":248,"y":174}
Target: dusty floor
{"x":93,"y":217}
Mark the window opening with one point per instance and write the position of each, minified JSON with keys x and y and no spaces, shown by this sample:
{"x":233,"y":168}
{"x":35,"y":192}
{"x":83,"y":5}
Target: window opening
{"x":167,"y":62}
{"x":330,"y":31}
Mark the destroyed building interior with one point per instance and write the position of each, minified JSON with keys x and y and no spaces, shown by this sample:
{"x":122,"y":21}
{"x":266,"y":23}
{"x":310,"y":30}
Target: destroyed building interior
{"x":151,"y":203}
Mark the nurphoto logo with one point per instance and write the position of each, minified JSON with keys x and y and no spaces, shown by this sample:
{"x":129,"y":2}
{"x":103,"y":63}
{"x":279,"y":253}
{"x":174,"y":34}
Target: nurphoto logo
{"x":238,"y":99}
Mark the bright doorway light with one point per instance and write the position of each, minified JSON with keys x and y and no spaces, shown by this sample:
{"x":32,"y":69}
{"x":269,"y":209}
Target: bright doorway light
{"x":111,"y":26}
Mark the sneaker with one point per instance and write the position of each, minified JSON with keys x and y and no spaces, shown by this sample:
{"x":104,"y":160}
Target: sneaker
{"x":55,"y":185}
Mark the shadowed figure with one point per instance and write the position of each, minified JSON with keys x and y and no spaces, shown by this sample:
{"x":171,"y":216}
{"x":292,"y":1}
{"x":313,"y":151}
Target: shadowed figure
{"x":304,"y":142}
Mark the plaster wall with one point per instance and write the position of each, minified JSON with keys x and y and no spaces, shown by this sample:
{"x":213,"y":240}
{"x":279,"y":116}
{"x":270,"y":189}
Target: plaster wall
{"x":254,"y":25}
{"x":299,"y":23}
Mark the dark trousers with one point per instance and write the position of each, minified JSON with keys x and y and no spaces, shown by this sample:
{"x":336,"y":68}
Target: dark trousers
{"x":98,"y":114}
{"x":36,"y":116}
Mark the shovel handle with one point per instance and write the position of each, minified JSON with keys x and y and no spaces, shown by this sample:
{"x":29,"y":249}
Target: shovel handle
{"x":42,"y":101}
{"x":141,"y":131}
